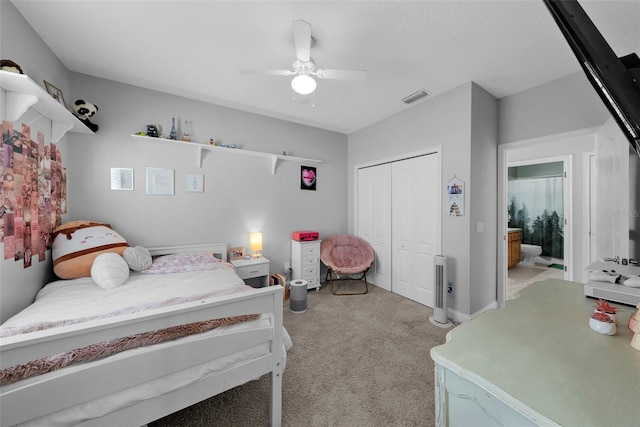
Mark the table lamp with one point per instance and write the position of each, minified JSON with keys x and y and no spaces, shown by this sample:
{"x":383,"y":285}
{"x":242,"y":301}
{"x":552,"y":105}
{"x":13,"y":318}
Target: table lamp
{"x":255,"y":243}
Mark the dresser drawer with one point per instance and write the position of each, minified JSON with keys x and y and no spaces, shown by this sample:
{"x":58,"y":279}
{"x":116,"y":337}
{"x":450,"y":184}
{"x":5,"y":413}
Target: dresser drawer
{"x":312,"y":282}
{"x":250,"y":271}
{"x":310,"y":261}
{"x":310,"y":271}
{"x":310,"y":250}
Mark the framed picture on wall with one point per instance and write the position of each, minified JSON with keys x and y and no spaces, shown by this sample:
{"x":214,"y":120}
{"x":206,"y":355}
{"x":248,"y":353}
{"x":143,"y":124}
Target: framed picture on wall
{"x":122,"y":179}
{"x":308,"y":178}
{"x":160,"y":182}
{"x":55,"y":92}
{"x":195,"y":183}
{"x":455,"y":197}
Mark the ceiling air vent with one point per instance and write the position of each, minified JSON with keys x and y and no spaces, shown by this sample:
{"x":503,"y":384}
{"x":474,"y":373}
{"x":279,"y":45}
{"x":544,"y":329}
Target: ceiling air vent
{"x":415,"y":96}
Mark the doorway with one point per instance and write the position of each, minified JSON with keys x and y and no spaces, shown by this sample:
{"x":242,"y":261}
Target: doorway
{"x":536,"y":222}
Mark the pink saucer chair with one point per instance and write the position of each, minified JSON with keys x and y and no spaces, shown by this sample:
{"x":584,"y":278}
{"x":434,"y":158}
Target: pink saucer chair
{"x":346,"y":255}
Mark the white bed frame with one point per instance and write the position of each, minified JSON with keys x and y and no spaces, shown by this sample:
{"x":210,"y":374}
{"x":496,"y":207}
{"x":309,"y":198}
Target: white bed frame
{"x":70,"y":386}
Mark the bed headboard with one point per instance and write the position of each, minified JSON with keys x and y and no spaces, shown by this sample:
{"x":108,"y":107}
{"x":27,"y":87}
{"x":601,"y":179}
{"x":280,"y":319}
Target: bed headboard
{"x":219,"y":250}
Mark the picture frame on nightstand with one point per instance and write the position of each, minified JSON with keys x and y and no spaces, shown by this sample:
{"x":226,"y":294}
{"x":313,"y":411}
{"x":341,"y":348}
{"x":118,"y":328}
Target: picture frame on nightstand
{"x":236,"y":253}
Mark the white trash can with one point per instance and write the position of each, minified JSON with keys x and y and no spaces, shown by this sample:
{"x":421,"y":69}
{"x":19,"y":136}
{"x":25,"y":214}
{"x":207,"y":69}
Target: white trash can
{"x":298,"y":296}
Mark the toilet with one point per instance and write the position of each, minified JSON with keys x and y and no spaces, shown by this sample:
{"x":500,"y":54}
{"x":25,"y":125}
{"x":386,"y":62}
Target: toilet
{"x":529,"y":252}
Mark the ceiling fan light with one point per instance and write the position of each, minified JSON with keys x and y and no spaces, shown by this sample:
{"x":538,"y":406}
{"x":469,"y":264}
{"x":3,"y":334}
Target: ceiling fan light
{"x":303,"y":84}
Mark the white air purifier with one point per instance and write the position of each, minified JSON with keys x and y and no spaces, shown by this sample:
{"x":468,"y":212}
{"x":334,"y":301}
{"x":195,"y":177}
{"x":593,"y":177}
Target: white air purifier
{"x":439,"y":317}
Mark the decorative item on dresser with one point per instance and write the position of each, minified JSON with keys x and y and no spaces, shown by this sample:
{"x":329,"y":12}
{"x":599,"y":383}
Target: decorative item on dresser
{"x":305,"y":262}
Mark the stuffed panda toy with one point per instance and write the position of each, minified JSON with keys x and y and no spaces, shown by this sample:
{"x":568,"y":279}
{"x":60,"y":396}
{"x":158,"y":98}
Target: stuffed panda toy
{"x":83,"y":110}
{"x":9,"y":65}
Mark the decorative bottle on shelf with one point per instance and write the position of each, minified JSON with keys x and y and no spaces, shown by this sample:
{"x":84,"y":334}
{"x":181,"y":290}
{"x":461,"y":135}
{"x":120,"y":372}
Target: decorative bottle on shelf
{"x":186,"y":134}
{"x":173,"y":134}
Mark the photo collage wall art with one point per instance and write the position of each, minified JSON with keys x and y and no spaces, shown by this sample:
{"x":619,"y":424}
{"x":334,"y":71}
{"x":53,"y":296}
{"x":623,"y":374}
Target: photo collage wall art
{"x":33,"y":193}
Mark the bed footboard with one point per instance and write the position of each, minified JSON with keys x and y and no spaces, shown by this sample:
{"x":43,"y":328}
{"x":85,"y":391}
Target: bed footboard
{"x":16,"y":400}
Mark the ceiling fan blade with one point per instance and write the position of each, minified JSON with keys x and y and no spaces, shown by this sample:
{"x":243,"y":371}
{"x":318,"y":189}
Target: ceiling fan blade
{"x":341,"y":74}
{"x":267,"y":72}
{"x":302,"y":39}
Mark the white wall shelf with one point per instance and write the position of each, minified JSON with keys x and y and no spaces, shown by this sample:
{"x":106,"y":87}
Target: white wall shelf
{"x":202,"y":148}
{"x":23,"y":93}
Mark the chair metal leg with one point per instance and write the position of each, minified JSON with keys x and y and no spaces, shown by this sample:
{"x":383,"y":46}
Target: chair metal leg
{"x":331,"y":280}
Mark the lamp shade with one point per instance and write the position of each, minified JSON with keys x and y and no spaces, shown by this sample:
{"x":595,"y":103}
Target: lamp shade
{"x":255,"y":241}
{"x":303,"y":84}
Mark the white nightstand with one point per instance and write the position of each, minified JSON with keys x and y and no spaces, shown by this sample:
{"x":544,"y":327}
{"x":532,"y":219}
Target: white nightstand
{"x":254,"y":271}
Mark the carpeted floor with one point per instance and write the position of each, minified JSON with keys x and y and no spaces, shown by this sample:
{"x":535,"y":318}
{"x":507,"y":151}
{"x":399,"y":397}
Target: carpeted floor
{"x":356,"y":361}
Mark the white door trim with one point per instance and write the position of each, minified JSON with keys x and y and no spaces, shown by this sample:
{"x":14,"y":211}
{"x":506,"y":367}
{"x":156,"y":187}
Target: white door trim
{"x":567,"y":203}
{"x":589,"y":174}
{"x":504,"y":151}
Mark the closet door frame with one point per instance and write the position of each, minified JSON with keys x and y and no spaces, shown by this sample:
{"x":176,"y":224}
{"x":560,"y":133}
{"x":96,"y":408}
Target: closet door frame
{"x":404,"y":156}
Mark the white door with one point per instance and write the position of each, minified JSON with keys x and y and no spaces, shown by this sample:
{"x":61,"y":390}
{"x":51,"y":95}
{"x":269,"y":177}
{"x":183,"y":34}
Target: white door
{"x":612,"y":194}
{"x":592,"y":209}
{"x":415,"y":224}
{"x":374,"y":219}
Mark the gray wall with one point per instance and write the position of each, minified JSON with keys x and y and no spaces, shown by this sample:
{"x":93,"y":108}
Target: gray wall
{"x":463,"y":122}
{"x":21,"y":44}
{"x":241,"y":194}
{"x":482,"y":190}
{"x":543,"y":170}
{"x":561,"y":106}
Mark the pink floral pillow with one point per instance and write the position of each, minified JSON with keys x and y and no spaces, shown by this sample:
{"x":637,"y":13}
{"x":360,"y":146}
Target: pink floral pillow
{"x":179,"y":263}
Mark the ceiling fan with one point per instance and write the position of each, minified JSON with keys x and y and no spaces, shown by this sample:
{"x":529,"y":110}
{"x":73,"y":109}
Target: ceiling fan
{"x":304,"y":68}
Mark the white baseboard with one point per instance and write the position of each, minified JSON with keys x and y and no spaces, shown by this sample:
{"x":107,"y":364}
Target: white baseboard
{"x":460,"y":317}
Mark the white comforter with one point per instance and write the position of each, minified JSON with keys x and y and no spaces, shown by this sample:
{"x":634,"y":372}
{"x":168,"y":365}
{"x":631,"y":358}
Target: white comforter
{"x":74,"y":301}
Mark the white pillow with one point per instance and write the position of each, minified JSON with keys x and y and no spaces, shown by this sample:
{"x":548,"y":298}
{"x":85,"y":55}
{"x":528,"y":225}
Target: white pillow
{"x":601,"y":276}
{"x":632,"y":282}
{"x":138,"y":258}
{"x":109,"y":270}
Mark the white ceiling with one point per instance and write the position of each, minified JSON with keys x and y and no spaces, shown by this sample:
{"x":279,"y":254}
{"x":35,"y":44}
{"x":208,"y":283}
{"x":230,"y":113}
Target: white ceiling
{"x":195,"y":49}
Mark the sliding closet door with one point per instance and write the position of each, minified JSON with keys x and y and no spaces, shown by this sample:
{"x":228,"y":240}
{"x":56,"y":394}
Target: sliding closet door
{"x":415,"y":223}
{"x":374,"y":219}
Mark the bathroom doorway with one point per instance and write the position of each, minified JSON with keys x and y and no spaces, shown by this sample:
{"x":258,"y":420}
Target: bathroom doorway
{"x":537,"y":221}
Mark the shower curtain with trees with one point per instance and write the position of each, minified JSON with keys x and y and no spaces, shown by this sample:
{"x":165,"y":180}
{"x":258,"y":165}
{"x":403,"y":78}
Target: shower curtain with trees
{"x":536,"y":206}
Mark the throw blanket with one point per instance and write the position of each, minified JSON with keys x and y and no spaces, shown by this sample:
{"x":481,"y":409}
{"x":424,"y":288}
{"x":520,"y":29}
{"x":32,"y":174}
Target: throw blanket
{"x":108,"y":348}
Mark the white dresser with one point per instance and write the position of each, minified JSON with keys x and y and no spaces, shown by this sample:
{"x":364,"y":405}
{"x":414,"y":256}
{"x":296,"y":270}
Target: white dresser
{"x":305,"y":262}
{"x":537,"y":362}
